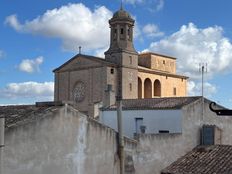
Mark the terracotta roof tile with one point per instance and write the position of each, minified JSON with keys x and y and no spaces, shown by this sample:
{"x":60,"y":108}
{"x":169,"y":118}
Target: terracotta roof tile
{"x":216,"y":159}
{"x":21,"y":114}
{"x":155,"y":103}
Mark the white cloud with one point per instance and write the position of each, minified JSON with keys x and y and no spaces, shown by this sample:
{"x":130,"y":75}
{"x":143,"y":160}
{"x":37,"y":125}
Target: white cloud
{"x":31,"y":65}
{"x":13,"y":22}
{"x":159,"y":5}
{"x":2,"y":54}
{"x":151,"y":30}
{"x":133,"y":1}
{"x":195,"y":89}
{"x":32,"y":90}
{"x":75,"y":24}
{"x":192,"y":45}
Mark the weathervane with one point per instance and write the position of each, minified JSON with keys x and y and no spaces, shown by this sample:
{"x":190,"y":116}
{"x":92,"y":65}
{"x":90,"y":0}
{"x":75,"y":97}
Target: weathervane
{"x":121,"y":7}
{"x":79,"y":49}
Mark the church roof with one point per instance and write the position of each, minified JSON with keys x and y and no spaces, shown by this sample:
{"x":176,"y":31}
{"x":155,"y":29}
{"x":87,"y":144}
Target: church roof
{"x":93,"y":58}
{"x":215,"y":159}
{"x":22,"y":114}
{"x":121,"y":14}
{"x":152,"y":71}
{"x":155,"y":103}
{"x":157,"y":54}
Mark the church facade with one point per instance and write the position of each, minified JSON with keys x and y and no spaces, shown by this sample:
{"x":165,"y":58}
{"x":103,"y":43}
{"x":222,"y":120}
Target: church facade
{"x":89,"y":82}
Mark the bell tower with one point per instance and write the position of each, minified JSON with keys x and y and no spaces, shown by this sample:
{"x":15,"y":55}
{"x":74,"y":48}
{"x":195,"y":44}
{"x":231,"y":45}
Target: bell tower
{"x":123,"y":53}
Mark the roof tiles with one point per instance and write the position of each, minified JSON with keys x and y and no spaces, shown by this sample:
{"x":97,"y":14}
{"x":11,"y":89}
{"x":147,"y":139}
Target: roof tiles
{"x":216,"y":159}
{"x":155,"y":103}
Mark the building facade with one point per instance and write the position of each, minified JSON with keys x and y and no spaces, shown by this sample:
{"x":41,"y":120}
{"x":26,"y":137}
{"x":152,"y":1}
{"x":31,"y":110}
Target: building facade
{"x":89,"y":82}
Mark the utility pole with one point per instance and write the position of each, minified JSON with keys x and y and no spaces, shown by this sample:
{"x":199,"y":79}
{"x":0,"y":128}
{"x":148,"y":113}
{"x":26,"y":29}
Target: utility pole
{"x":120,"y":135}
{"x":2,"y":144}
{"x":119,"y":119}
{"x":202,"y":69}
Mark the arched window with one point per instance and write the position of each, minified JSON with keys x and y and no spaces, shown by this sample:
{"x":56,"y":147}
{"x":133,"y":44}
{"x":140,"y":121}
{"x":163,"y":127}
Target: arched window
{"x":139,"y":88}
{"x":157,"y":88}
{"x":147,"y":88}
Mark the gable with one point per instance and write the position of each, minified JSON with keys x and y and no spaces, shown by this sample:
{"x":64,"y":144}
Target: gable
{"x":83,"y":62}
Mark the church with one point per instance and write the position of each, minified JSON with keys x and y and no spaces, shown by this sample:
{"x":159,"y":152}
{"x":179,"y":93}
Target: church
{"x":89,"y":82}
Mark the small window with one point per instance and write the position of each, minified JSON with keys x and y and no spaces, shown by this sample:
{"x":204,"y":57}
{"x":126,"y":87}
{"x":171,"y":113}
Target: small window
{"x":130,"y":86}
{"x":121,"y":30}
{"x":130,"y":59}
{"x":166,"y":77}
{"x":112,"y":71}
{"x":164,"y":62}
{"x":163,"y":131}
{"x":174,"y":91}
{"x":182,"y":79}
{"x":115,"y":34}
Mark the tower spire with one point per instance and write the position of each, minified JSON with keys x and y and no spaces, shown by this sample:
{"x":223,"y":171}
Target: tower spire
{"x":121,"y":6}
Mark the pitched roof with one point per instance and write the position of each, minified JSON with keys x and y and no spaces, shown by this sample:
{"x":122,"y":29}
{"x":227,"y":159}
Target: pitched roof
{"x":21,"y":114}
{"x":215,"y":159}
{"x":157,"y":54}
{"x":97,"y":59}
{"x":155,"y":103}
{"x":159,"y":72}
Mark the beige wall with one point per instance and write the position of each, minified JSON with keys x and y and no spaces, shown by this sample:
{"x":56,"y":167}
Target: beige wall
{"x":158,"y":62}
{"x":95,"y":81}
{"x":168,"y":83}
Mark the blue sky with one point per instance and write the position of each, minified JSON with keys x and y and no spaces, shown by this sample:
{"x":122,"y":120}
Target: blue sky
{"x":38,"y":36}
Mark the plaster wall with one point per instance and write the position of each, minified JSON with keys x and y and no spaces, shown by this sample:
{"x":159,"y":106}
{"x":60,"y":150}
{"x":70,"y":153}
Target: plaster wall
{"x":156,"y":151}
{"x":61,"y":143}
{"x":154,"y":120}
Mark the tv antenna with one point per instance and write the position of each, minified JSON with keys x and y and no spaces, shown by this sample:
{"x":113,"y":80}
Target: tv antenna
{"x":202,"y":70}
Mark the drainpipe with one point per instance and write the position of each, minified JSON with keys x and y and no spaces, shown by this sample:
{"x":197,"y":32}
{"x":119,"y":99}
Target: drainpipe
{"x":2,"y":134}
{"x":120,"y":135}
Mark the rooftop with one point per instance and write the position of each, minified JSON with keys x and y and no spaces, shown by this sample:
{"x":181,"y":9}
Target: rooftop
{"x":21,"y":114}
{"x":215,"y":159}
{"x":155,"y":103}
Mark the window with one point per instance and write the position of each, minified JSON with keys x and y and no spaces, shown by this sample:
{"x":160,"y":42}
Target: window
{"x":164,"y":62}
{"x":112,"y":71}
{"x":121,"y":30}
{"x":163,"y":131}
{"x":130,"y":59}
{"x":128,"y":34}
{"x":174,"y":91}
{"x":130,"y":85}
{"x":138,"y":125}
{"x":166,"y":77}
{"x":115,"y":34}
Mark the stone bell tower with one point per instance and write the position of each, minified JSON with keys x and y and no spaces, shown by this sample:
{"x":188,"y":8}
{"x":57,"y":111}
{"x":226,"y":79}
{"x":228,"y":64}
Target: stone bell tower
{"x":123,"y":53}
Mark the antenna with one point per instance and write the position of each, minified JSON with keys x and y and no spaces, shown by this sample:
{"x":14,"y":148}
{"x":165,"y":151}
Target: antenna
{"x":203,"y":70}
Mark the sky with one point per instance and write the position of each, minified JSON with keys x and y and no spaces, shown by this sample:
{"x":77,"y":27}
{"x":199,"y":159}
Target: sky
{"x":38,"y":36}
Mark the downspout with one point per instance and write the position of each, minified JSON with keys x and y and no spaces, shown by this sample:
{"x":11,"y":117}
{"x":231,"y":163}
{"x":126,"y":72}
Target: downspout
{"x":2,"y":134}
